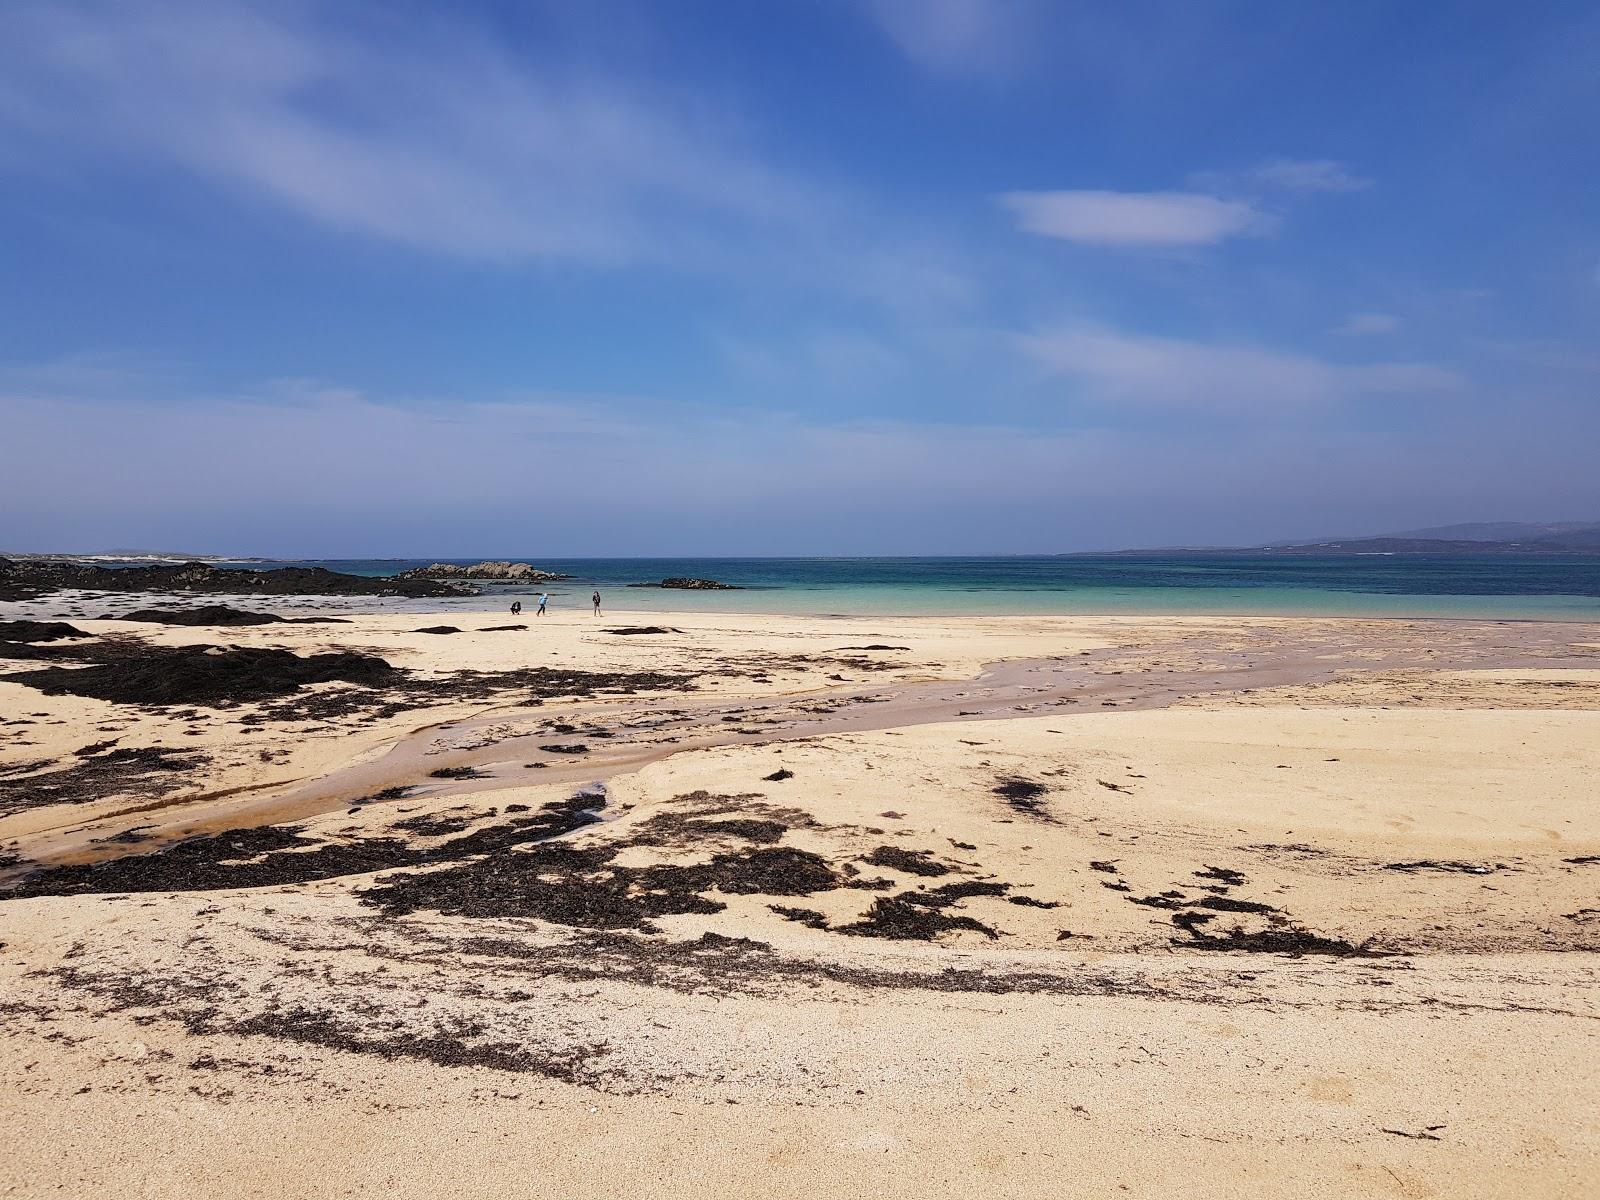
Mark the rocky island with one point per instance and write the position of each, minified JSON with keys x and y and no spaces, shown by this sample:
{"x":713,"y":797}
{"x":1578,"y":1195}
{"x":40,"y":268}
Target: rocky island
{"x":688,"y":584}
{"x":24,"y":580}
{"x":503,"y":572}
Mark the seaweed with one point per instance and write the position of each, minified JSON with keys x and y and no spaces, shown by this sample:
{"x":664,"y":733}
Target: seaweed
{"x":913,"y":862}
{"x":98,"y":775}
{"x":203,"y":675}
{"x":898,"y":919}
{"x":1024,"y":795}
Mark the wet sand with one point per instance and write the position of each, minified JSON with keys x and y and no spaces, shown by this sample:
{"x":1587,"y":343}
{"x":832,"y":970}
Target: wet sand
{"x":812,"y":906}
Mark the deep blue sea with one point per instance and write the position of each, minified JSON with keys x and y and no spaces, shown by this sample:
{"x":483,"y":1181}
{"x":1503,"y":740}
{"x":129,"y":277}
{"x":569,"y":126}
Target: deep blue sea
{"x":1367,"y":585}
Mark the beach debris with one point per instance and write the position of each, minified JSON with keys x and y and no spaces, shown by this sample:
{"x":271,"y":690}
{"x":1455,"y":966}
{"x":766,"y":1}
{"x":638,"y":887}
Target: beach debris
{"x":809,"y":917}
{"x":100,"y":773}
{"x":779,"y":775}
{"x":456,"y":773}
{"x":217,"y":614}
{"x":37,"y":631}
{"x":1229,"y":904}
{"x":1225,"y":875}
{"x":1428,"y":1133}
{"x":205,"y":675}
{"x":437,"y":629}
{"x":1291,"y":940}
{"x":899,"y":919}
{"x":1023,"y":795}
{"x":913,"y":862}
{"x":438,"y":824}
{"x":638,"y":630}
{"x":565,"y":748}
{"x":275,"y":855}
{"x":581,"y":886}
{"x":1463,"y":868}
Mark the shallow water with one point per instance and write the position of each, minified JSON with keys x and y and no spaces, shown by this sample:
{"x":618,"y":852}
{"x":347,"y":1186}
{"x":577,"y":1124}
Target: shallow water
{"x":1495,"y":586}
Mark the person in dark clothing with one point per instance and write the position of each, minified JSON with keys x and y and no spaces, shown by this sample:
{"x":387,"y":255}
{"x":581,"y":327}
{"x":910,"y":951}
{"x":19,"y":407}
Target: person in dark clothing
{"x":516,"y":608}
{"x":596,"y":599}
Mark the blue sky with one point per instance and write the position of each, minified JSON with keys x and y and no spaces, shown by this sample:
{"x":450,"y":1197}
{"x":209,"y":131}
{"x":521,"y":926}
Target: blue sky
{"x":812,"y":277}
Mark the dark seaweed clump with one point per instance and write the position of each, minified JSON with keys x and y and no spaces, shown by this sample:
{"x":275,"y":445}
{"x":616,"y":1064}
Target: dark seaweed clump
{"x":903,"y":918}
{"x":38,"y":631}
{"x":277,"y":855}
{"x":910,"y":916}
{"x":636,"y":630}
{"x":779,"y":775}
{"x":204,"y":676}
{"x":99,"y":774}
{"x":456,"y":773}
{"x":581,"y":886}
{"x":1291,"y":940}
{"x":1024,"y":795}
{"x":437,"y":629}
{"x":218,"y":614}
{"x":914,"y":862}
{"x":436,"y":824}
{"x":1462,"y":868}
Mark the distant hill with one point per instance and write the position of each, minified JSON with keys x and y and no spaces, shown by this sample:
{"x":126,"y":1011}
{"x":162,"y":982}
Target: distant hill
{"x":1483,"y":537}
{"x":1500,"y":531}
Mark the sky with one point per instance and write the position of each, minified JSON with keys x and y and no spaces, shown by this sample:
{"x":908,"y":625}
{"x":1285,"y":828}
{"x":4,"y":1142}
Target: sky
{"x":794,"y":277}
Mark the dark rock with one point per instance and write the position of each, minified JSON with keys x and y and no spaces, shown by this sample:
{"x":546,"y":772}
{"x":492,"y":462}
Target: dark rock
{"x":38,"y":631}
{"x":19,"y":580}
{"x":688,"y":584}
{"x":218,"y":614}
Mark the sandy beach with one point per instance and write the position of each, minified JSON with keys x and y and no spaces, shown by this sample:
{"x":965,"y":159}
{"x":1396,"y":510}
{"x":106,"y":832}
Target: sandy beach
{"x":690,"y":904}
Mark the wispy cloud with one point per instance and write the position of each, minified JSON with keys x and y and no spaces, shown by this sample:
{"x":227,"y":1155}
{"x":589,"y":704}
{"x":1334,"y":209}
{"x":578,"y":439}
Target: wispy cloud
{"x":433,"y":138}
{"x":1365,"y":324}
{"x":1308,"y":175}
{"x":1134,"y":218}
{"x":1139,"y":371}
{"x":955,"y":37}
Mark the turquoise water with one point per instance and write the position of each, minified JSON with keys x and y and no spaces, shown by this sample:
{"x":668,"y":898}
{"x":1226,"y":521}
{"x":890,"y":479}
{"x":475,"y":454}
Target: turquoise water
{"x":1488,"y":586}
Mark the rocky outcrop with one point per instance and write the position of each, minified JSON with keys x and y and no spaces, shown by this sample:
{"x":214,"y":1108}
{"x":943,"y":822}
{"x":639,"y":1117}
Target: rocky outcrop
{"x":506,"y":572}
{"x":694,"y":585}
{"x":20,"y":580}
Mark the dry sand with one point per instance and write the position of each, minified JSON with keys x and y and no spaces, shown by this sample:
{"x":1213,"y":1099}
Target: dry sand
{"x":1190,"y":907}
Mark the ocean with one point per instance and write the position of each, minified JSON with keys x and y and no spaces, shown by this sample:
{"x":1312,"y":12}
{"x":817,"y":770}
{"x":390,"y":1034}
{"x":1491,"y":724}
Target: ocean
{"x":1487,"y":586}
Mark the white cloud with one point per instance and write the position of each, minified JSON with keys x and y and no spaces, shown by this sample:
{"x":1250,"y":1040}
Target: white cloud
{"x":1169,"y":373}
{"x":1307,"y":175}
{"x":1134,"y":218}
{"x":1363,"y":324}
{"x":423,"y":134}
{"x":958,"y":37}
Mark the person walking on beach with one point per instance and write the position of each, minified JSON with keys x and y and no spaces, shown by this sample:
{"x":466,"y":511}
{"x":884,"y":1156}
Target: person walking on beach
{"x":543,"y":600}
{"x":596,"y":599}
{"x":516,"y":608}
